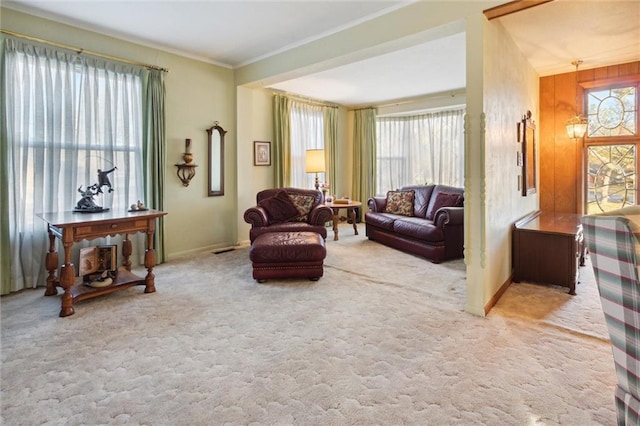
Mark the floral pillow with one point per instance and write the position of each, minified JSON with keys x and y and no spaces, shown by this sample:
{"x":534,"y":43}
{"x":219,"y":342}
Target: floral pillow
{"x":400,"y":202}
{"x":303,"y":203}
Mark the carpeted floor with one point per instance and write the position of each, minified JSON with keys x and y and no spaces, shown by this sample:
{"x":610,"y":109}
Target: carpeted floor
{"x":380,"y":339}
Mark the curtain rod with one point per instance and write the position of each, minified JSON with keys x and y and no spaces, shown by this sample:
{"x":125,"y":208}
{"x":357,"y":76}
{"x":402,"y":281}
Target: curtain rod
{"x":80,"y":51}
{"x":427,"y":98}
{"x":304,"y":99}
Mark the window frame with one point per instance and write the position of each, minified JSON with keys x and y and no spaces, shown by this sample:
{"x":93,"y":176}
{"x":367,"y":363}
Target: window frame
{"x":604,"y":84}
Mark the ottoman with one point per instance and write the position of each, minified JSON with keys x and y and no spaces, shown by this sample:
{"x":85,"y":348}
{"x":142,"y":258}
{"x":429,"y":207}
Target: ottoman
{"x":287,"y":255}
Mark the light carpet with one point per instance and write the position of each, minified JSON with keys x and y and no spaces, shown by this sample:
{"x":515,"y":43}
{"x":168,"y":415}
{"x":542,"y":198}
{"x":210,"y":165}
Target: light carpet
{"x":553,"y":306}
{"x":381,"y":339}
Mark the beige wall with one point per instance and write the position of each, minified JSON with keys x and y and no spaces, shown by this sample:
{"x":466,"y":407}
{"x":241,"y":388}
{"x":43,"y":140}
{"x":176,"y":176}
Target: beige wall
{"x":510,"y":88}
{"x":197,"y":95}
{"x":255,"y":123}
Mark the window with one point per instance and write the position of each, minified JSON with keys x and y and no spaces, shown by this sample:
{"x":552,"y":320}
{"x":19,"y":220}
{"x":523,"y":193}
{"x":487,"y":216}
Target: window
{"x":612,"y":112}
{"x":66,"y":117}
{"x":307,"y":132}
{"x":611,"y":177}
{"x":612,"y":146}
{"x":420,"y":149}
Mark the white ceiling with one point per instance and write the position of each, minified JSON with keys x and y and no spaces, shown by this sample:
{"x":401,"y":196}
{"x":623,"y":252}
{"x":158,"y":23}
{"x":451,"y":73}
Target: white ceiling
{"x":598,"y":32}
{"x":236,"y":33}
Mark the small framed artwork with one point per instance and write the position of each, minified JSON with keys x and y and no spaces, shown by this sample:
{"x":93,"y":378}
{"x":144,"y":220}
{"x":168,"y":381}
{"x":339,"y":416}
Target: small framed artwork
{"x":261,"y":153}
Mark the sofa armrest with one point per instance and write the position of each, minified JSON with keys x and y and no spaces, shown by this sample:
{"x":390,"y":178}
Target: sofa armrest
{"x":256,"y":216}
{"x":449,"y":216}
{"x":319,"y":215}
{"x":377,"y":204}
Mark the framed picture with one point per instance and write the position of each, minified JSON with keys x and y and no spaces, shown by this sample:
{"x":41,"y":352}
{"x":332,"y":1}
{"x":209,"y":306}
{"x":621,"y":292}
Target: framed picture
{"x":261,"y":153}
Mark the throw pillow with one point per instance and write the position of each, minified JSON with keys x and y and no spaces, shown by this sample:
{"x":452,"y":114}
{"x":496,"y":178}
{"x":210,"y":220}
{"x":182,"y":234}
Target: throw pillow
{"x":445,"y":199}
{"x":400,"y":202}
{"x":279,"y":208}
{"x":303,"y":203}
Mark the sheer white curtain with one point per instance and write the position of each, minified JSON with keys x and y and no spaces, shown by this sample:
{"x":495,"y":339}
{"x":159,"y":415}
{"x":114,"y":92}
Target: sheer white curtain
{"x":65,"y":117}
{"x":307,"y":132}
{"x":420,"y":149}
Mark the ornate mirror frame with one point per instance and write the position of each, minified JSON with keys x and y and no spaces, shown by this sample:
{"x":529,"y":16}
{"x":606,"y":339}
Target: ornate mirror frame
{"x":527,"y":127}
{"x":215,"y":138}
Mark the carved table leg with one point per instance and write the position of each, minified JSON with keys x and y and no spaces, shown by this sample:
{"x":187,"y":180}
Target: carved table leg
{"x":126,"y":252}
{"x":67,"y":279}
{"x":52,"y":266}
{"x":352,"y":214}
{"x":149,"y":263}
{"x":336,"y":219}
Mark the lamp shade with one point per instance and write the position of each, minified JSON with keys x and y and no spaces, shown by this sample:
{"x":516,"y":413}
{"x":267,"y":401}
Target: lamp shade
{"x":314,"y":161}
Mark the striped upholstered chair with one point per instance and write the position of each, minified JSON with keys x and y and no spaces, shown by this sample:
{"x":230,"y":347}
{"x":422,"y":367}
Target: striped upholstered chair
{"x":612,"y":240}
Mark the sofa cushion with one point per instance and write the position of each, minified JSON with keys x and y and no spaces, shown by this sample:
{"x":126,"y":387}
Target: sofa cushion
{"x":380,"y":220}
{"x":279,"y":208}
{"x":418,"y":228}
{"x":444,"y":199}
{"x":400,"y":202}
{"x":303,"y":203}
{"x":421,"y":198}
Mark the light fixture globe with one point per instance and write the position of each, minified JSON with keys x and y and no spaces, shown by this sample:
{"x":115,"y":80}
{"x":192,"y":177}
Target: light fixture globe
{"x":577,"y":126}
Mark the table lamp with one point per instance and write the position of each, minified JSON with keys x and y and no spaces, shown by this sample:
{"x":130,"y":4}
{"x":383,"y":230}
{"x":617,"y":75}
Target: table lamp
{"x":314,"y":163}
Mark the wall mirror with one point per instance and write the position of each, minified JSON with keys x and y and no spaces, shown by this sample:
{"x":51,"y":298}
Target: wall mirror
{"x":215,"y":137}
{"x":527,"y":127}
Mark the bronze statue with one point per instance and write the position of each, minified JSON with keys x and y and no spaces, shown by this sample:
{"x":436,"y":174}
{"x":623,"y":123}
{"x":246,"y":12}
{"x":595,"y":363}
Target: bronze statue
{"x":86,"y":203}
{"x":103,"y":179}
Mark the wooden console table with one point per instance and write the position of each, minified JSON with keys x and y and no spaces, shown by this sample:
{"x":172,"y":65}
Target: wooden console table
{"x":351,"y":207}
{"x":548,"y":248}
{"x":72,"y":227}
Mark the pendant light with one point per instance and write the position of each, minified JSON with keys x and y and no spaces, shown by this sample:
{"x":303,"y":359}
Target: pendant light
{"x":577,"y":126}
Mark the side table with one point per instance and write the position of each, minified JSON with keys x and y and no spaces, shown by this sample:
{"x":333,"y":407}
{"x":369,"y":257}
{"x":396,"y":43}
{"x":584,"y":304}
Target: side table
{"x":72,"y":227}
{"x":351,"y":207}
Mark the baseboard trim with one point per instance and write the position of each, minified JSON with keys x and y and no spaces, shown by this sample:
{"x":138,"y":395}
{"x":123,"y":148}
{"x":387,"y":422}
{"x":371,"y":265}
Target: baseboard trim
{"x":492,"y":302}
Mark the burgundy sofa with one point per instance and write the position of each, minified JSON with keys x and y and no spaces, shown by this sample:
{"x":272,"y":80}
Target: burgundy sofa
{"x":433,"y":228}
{"x":274,"y":212}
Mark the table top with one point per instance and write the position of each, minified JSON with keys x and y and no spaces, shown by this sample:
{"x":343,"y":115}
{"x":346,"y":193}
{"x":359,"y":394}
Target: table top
{"x":70,"y":218}
{"x":557,"y":223}
{"x":350,"y":204}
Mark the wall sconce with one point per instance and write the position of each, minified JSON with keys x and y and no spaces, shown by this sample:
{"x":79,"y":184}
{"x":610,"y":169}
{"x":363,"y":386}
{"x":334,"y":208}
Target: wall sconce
{"x":186,"y":171}
{"x":314,"y":163}
{"x":577,"y":126}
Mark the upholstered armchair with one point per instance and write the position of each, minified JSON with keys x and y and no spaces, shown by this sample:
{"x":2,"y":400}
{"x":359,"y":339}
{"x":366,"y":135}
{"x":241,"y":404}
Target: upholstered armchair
{"x":288,"y":209}
{"x":612,"y":240}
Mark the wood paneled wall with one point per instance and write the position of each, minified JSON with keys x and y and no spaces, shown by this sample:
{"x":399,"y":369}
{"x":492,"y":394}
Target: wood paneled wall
{"x":561,"y":158}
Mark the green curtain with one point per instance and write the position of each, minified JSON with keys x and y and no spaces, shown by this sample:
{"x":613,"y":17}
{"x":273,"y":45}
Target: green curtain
{"x":364,"y":154}
{"x":5,"y":242}
{"x":154,"y":150}
{"x":331,"y":145}
{"x":281,"y":142}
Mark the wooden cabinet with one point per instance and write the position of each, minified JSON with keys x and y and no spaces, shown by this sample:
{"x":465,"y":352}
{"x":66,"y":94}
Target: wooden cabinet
{"x":548,"y":248}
